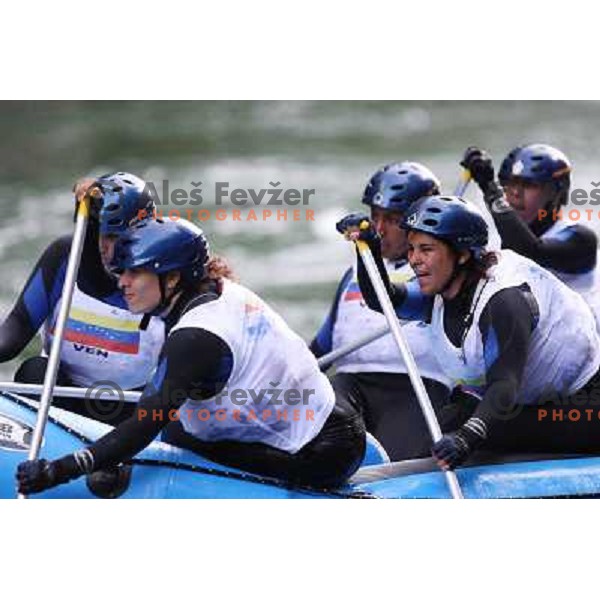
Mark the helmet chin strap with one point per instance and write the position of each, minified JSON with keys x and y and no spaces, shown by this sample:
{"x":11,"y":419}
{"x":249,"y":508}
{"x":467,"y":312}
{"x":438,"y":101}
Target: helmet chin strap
{"x":540,"y":226}
{"x":453,"y":276}
{"x":456,"y":271}
{"x":165,"y":300}
{"x":554,"y":202}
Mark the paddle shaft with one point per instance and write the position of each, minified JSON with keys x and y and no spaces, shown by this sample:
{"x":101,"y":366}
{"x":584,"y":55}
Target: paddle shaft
{"x":91,"y":393}
{"x":463,"y":183}
{"x":53,"y":359}
{"x":331,"y":357}
{"x":409,"y":361}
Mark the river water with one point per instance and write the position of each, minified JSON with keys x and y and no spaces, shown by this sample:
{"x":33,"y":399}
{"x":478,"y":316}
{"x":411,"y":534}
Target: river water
{"x":217,"y":147}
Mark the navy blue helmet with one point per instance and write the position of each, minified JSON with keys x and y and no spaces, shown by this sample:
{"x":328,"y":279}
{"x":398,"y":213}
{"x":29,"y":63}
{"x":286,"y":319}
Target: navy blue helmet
{"x":162,"y":247}
{"x":450,"y":219}
{"x":126,"y":199}
{"x":398,"y":185}
{"x":538,"y":163}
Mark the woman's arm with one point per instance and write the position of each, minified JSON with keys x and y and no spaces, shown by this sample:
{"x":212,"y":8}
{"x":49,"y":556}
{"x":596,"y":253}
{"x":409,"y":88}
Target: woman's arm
{"x":37,"y":300}
{"x":573,"y":251}
{"x":506,"y":325}
{"x":193,"y":361}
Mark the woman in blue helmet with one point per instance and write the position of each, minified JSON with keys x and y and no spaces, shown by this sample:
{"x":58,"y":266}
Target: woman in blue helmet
{"x":375,"y":374}
{"x":502,"y":328}
{"x":528,"y":204}
{"x":102,"y":340}
{"x":233,"y":382}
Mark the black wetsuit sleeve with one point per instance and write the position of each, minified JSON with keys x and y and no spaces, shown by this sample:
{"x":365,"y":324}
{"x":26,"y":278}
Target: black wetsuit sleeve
{"x":194,"y":363}
{"x":506,"y":325}
{"x":37,"y":300}
{"x":364,"y":281}
{"x":92,"y":278}
{"x":574,"y":251}
{"x":44,"y":287}
{"x":407,"y":299}
{"x":323,"y":340}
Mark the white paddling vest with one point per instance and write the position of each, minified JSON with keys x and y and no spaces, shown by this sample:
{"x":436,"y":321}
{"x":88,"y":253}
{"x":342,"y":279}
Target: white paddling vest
{"x":587,"y":284}
{"x":564,"y":351}
{"x":104,"y":343}
{"x":355,"y":318}
{"x":276,"y":394}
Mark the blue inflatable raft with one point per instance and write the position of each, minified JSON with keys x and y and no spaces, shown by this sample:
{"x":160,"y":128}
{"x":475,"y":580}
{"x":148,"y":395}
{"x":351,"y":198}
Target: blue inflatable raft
{"x":164,"y":471}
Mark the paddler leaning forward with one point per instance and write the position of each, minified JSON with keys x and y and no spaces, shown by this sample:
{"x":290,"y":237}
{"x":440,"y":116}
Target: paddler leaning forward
{"x":220,"y":335}
{"x":502,"y":327}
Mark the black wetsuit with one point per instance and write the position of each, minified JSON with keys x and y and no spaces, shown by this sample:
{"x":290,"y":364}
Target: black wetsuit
{"x":332,"y":456}
{"x":388,"y":402}
{"x":37,"y":302}
{"x":506,"y":325}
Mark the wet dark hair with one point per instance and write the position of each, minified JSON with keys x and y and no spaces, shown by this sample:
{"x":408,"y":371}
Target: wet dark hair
{"x":480,"y":266}
{"x":217,"y":269}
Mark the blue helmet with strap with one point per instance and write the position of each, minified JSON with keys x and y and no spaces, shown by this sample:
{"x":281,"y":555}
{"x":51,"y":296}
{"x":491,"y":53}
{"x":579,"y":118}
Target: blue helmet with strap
{"x":398,"y":185}
{"x":162,"y":247}
{"x":451,"y":219}
{"x":538,"y":163}
{"x":126,"y":199}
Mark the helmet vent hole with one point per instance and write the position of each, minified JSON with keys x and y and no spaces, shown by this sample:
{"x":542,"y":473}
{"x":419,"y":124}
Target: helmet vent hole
{"x":434,"y":209}
{"x":403,"y":172}
{"x":398,"y":187}
{"x":537,"y":158}
{"x":127,"y":181}
{"x":430,"y":222}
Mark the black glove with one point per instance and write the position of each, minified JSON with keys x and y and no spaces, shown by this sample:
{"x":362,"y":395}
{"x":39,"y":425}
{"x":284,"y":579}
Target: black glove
{"x":88,"y":186}
{"x":479,"y":163}
{"x":360,"y":224}
{"x":34,"y":476}
{"x":453,"y":448}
